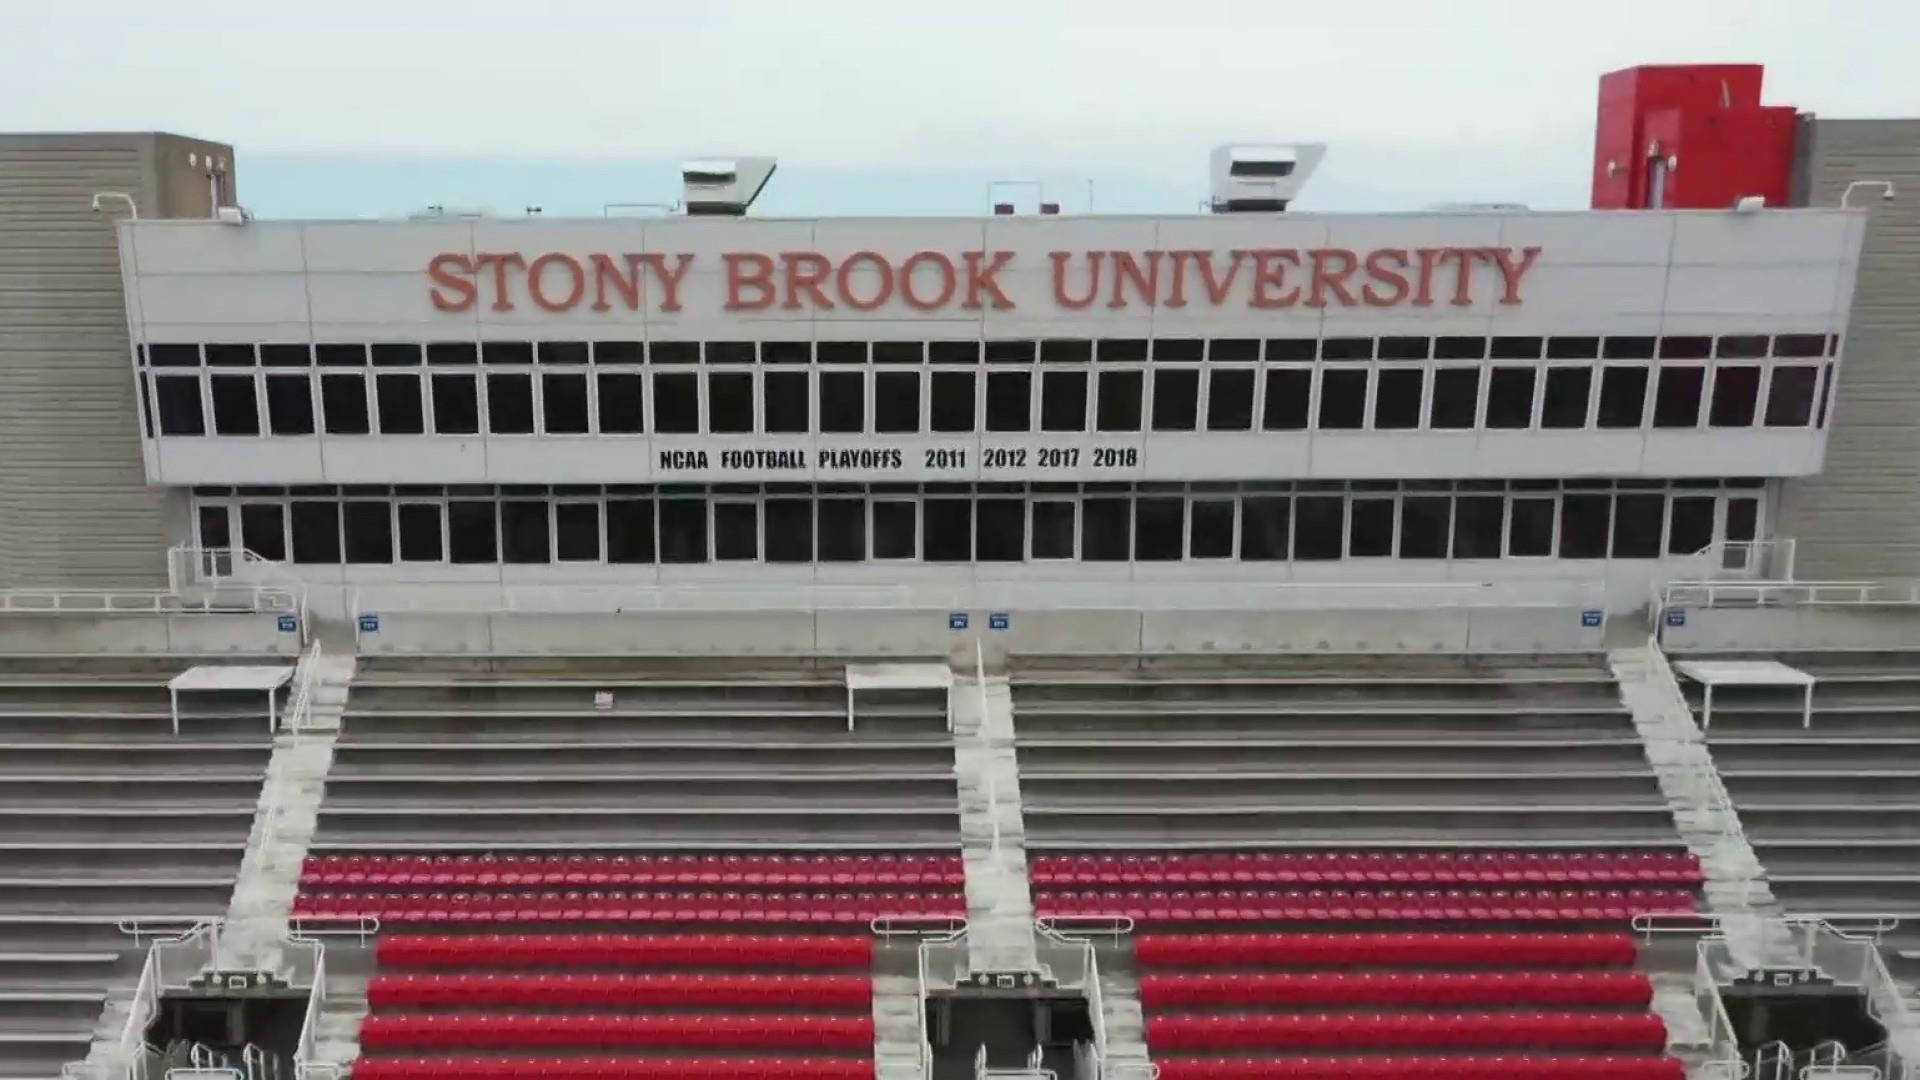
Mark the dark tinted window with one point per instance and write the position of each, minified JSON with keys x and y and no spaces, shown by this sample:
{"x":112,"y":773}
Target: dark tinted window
{"x":683,"y":530}
{"x":843,"y":530}
{"x":1053,"y":529}
{"x":949,"y":530}
{"x":470,"y":532}
{"x":788,"y":402}
{"x":563,"y":402}
{"x":1176,"y":399}
{"x":1343,"y":399}
{"x":896,"y":401}
{"x":1585,"y":526}
{"x":843,"y":401}
{"x":728,"y":402}
{"x":401,"y":410}
{"x":1010,"y":401}
{"x":420,"y":533}
{"x":290,"y":404}
{"x":1106,"y":530}
{"x":1425,"y":526}
{"x":630,"y":530}
{"x":789,"y":530}
{"x":1119,"y":400}
{"x":456,"y":404}
{"x":1287,"y":394}
{"x":369,"y":527}
{"x":236,"y":411}
{"x":1510,"y":397}
{"x":676,"y":402}
{"x":343,"y":400}
{"x":1000,"y":530}
{"x":950,"y":401}
{"x":576,"y":532}
{"x":1790,"y":398}
{"x":1676,"y":404}
{"x":1210,"y":529}
{"x":1736,"y":396}
{"x":1623,"y":395}
{"x":510,"y":403}
{"x":1319,"y":527}
{"x":316,"y":532}
{"x":523,"y":532}
{"x":1456,"y":397}
{"x":736,"y":531}
{"x":1397,"y":397}
{"x":1564,"y":404}
{"x":1159,"y":528}
{"x":622,"y":396}
{"x":1265,"y":525}
{"x":1063,"y":401}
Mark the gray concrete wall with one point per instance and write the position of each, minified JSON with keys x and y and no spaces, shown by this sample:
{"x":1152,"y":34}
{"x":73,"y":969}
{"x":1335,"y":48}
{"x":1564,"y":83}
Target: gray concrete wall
{"x":1860,"y":518}
{"x":75,"y":510}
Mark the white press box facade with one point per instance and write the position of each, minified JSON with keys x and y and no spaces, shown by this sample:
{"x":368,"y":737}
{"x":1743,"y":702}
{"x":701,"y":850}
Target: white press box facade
{"x":1464,"y":396}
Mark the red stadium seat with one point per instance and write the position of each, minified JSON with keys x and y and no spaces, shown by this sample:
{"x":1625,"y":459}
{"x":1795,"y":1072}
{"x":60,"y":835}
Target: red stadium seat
{"x":613,"y":1068}
{"x":1478,"y":1067}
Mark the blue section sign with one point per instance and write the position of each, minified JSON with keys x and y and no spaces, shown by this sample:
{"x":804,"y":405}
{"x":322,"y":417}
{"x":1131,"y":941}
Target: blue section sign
{"x":1676,"y":618}
{"x":1590,"y":617}
{"x":289,"y":624}
{"x":369,"y":623}
{"x":998,"y":620}
{"x":956,"y":620}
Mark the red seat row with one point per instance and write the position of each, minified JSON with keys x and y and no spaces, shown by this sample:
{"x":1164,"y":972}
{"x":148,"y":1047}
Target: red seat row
{"x":1599,"y":1031}
{"x":1487,"y":1067}
{"x":1365,"y":867}
{"x":1328,"y":988}
{"x":1382,"y":950}
{"x":1366,"y":905}
{"x":488,"y":1031}
{"x":526,"y":871}
{"x":663,"y":907}
{"x":561,"y":991}
{"x":613,"y":1068}
{"x":624,"y":951}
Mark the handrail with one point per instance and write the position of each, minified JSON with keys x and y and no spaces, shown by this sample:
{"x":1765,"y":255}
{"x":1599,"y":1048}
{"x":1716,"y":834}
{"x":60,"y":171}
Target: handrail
{"x":229,"y":600}
{"x":316,"y":1000}
{"x":1750,"y":594}
{"x":294,"y":720}
{"x":934,"y":928}
{"x":1073,"y":929}
{"x":1128,"y":594}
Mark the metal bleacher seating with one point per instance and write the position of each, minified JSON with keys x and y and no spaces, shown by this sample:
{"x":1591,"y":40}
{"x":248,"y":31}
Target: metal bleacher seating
{"x":1376,"y":751}
{"x":673,"y":882}
{"x":107,"y":819}
{"x":1362,"y":867}
{"x":1832,"y":808}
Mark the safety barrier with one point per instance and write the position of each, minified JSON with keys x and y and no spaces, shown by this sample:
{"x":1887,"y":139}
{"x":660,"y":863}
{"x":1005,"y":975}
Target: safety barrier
{"x":238,"y":599}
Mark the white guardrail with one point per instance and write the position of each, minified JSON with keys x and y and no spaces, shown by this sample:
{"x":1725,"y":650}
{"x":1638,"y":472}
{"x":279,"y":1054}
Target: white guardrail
{"x":1054,"y":595}
{"x":227,"y":600}
{"x":1760,"y":594}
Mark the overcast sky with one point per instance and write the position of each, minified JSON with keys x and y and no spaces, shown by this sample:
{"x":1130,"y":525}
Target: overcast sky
{"x":356,"y":107}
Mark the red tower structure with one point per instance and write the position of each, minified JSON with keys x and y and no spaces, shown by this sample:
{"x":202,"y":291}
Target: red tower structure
{"x":1690,"y":136}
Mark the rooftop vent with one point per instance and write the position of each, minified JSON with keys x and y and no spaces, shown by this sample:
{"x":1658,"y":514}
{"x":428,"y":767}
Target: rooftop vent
{"x":1260,"y":178}
{"x":723,"y":185}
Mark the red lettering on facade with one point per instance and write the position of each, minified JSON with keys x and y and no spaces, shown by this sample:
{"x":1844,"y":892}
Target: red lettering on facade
{"x":1146,"y":282}
{"x":1511,"y":272}
{"x":1331,"y":269}
{"x":1463,"y":273}
{"x":536,"y":278}
{"x":806,"y":272}
{"x":981,"y":279}
{"x":1218,"y":289}
{"x":1423,"y":291}
{"x":930,"y":280}
{"x":843,"y":280}
{"x":1396,"y":282}
{"x":1270,"y":274}
{"x":451,"y":270}
{"x":607,"y":272}
{"x":500,"y":261}
{"x":948,"y":280}
{"x":748,"y":270}
{"x":1061,"y":260}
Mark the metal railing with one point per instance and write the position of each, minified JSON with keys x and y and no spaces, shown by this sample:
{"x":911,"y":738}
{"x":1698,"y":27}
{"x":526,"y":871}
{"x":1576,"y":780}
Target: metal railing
{"x":237,"y":599}
{"x":304,"y":1051}
{"x":1703,"y":788}
{"x":190,"y":564}
{"x":1033,"y":1070}
{"x":484,"y":598}
{"x":1723,"y":1044}
{"x":1069,"y":929}
{"x":1764,"y":594}
{"x":299,"y":710}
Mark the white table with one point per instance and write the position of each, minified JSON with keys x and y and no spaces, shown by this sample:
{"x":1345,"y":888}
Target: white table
{"x":1712,"y":673}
